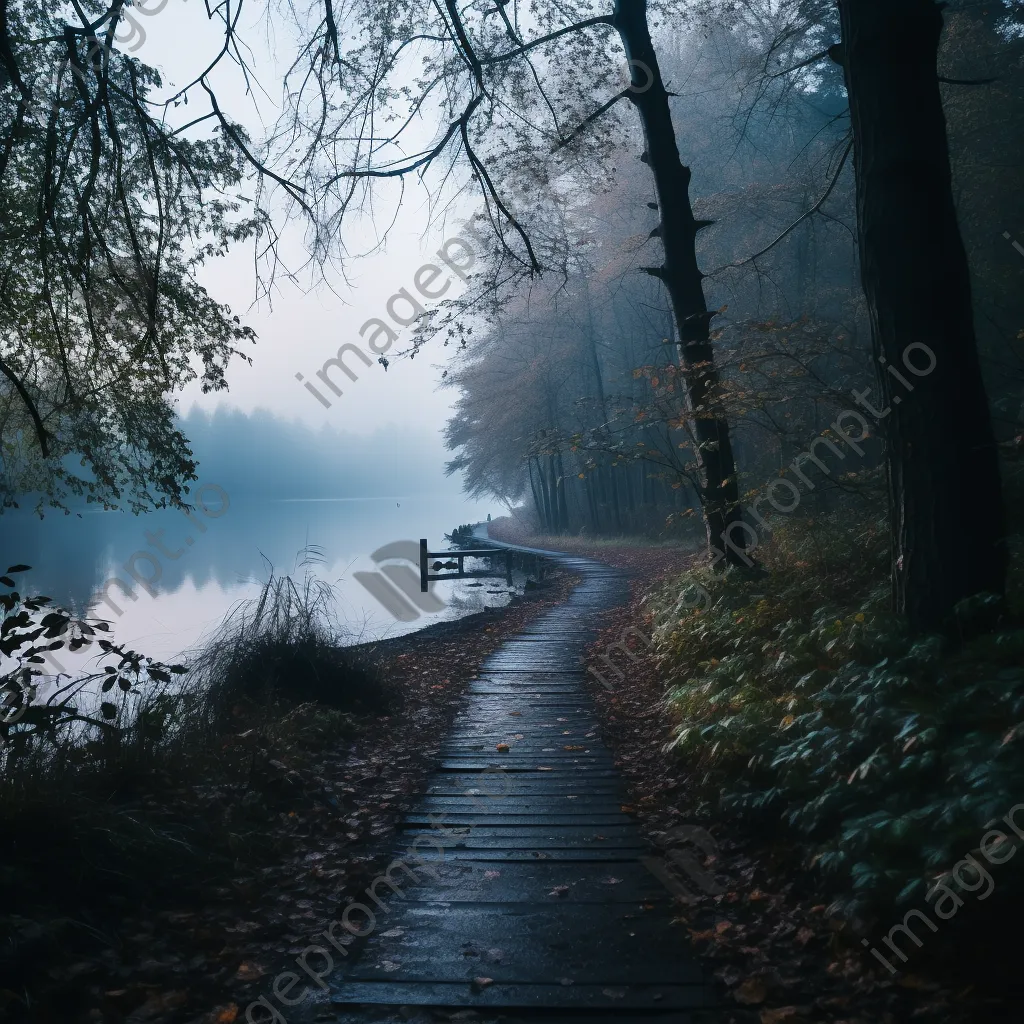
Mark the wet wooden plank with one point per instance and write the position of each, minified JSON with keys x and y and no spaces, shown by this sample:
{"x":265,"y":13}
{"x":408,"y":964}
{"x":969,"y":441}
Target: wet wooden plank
{"x":535,"y":878}
{"x":570,"y":997}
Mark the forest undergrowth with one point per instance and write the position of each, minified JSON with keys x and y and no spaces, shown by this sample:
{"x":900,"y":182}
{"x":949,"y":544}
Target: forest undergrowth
{"x":798,"y":699}
{"x":846,"y":768}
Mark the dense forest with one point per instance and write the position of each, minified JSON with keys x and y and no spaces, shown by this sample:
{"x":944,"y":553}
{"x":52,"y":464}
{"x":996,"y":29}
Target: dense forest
{"x":723,"y":298}
{"x":606,"y":430}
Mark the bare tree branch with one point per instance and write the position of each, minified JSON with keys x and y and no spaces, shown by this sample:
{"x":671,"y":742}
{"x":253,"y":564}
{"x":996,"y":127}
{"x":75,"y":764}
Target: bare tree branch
{"x":792,"y":227}
{"x":604,"y":19}
{"x":803,"y":64}
{"x":37,"y":422}
{"x":590,"y":118}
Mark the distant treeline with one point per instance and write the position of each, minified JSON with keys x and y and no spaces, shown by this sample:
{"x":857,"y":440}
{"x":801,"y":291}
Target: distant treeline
{"x":261,"y":454}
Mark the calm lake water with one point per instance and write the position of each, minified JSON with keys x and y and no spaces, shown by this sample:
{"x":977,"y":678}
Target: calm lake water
{"x":200,"y":566}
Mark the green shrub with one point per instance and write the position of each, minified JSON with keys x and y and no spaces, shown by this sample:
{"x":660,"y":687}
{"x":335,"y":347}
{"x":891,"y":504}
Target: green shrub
{"x":800,"y":699}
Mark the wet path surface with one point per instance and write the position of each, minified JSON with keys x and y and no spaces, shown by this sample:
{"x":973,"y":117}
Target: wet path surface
{"x":525,"y":896}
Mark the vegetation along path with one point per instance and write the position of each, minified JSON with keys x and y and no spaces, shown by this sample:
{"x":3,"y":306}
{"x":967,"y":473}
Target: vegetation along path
{"x":531,"y":895}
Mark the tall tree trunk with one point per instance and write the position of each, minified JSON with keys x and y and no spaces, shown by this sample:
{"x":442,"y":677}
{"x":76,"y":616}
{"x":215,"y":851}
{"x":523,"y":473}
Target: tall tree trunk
{"x":563,"y":508}
{"x":536,"y":496}
{"x":947,"y":516}
{"x":627,"y":485}
{"x":595,"y":362}
{"x":681,"y":274}
{"x":545,"y":493}
{"x":614,"y":489}
{"x":552,"y":483}
{"x":588,"y":486}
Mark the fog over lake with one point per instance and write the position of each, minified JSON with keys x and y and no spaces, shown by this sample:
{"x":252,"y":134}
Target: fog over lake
{"x":268,"y":490}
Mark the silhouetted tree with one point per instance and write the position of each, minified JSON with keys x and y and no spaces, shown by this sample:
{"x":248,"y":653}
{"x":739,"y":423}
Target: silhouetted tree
{"x":946,"y":506}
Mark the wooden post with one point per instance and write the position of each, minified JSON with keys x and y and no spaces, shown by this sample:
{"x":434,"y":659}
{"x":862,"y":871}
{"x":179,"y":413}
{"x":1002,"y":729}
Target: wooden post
{"x":423,"y":565}
{"x":508,"y":566}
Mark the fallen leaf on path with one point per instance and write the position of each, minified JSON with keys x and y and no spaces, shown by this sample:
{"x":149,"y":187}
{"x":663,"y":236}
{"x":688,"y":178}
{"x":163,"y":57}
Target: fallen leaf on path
{"x":559,"y":890}
{"x":157,"y":1006}
{"x":781,"y":1014}
{"x":249,"y":971}
{"x":835,"y":1001}
{"x":729,"y":975}
{"x":503,"y":748}
{"x":614,"y":993}
{"x":225,"y":1014}
{"x":915,"y":981}
{"x":752,"y":991}
{"x":481,"y":983}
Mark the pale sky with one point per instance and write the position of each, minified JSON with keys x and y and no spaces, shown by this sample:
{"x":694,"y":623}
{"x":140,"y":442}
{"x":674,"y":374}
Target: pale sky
{"x":301,"y":331}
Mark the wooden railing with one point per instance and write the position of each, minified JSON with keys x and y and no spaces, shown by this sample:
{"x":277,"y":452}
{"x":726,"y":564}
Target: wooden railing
{"x":455,"y":564}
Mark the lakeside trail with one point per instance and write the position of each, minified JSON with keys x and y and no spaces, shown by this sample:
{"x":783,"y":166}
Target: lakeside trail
{"x":524,"y":891}
{"x":284,"y":812}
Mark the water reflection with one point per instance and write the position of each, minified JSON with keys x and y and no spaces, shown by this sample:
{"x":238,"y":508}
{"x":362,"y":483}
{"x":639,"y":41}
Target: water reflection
{"x":186,"y":571}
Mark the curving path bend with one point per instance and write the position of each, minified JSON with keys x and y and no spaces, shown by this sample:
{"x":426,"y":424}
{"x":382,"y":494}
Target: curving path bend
{"x":530,"y":900}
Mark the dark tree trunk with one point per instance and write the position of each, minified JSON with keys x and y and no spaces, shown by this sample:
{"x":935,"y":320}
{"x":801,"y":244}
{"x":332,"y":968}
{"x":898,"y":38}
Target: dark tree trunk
{"x":947,"y":517}
{"x":681,"y":275}
{"x":627,"y":484}
{"x":588,"y":486}
{"x":563,"y":508}
{"x":536,"y":496}
{"x":552,"y":483}
{"x":614,"y":489}
{"x":608,"y":481}
{"x":545,"y":493}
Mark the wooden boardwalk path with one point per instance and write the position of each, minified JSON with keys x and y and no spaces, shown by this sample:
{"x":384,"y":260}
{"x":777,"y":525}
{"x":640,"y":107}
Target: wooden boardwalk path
{"x":530,"y":900}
